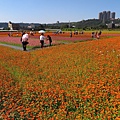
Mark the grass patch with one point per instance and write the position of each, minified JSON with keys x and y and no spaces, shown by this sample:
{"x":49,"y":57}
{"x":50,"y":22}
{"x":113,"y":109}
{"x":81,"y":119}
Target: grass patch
{"x":14,"y":44}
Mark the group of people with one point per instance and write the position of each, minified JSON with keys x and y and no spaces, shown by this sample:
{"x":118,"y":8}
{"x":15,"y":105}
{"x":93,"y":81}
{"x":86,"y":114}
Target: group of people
{"x":25,"y":37}
{"x":42,"y":38}
{"x":96,"y":34}
{"x":76,"y":33}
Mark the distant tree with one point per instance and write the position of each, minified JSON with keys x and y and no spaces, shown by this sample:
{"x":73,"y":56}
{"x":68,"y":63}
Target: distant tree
{"x":7,"y":28}
{"x":64,"y":26}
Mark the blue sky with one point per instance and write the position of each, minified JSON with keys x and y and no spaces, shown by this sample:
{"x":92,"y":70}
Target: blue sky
{"x":51,"y":11}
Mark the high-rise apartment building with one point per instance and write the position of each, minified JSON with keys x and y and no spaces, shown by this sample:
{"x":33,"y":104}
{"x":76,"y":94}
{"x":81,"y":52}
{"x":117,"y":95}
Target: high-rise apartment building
{"x":100,"y":16}
{"x":113,"y":15}
{"x":106,"y":15}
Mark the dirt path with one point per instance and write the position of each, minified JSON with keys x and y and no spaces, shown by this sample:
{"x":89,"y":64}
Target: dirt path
{"x":20,"y":48}
{"x":12,"y":46}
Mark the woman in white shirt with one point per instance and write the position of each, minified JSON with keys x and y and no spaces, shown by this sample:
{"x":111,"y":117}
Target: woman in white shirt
{"x":42,"y":38}
{"x":24,"y":40}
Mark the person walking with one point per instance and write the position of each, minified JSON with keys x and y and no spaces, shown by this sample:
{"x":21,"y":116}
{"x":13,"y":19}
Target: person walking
{"x":93,"y":34}
{"x":50,"y":39}
{"x":70,"y":33}
{"x":42,"y":38}
{"x":99,"y":34}
{"x":24,"y":40}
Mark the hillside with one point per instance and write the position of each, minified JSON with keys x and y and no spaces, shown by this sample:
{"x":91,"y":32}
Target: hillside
{"x":90,"y":23}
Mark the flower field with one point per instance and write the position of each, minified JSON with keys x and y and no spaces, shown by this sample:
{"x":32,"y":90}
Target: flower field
{"x":56,"y":38}
{"x":78,"y":81}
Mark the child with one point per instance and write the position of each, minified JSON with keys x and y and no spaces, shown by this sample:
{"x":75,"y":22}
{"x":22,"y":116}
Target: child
{"x":50,"y":39}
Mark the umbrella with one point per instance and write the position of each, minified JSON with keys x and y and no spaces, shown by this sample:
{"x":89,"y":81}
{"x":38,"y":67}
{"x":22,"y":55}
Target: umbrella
{"x":41,"y":31}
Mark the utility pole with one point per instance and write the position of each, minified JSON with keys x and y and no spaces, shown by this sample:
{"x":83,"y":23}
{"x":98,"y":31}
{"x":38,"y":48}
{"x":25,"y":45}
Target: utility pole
{"x":69,"y":23}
